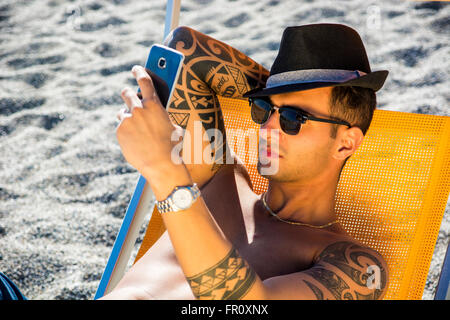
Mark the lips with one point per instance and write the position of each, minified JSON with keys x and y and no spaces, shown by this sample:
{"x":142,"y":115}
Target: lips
{"x":268,"y":144}
{"x":268,"y":149}
{"x":269,"y":153}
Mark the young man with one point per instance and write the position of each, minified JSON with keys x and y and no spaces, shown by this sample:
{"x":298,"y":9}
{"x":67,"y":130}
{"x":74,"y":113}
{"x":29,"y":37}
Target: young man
{"x":226,"y":242}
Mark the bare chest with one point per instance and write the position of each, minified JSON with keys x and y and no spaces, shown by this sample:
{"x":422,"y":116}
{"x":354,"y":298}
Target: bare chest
{"x":271,"y":247}
{"x":271,"y":256}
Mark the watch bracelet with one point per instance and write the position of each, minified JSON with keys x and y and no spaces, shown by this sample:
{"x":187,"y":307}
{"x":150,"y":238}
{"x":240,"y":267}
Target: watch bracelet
{"x":165,"y":205}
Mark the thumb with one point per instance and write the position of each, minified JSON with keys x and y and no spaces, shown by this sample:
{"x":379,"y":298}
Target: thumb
{"x":178,"y":133}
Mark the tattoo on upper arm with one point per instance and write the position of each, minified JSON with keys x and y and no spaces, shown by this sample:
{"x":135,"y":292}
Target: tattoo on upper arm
{"x":210,"y":68}
{"x":343,"y":273}
{"x":230,"y":279}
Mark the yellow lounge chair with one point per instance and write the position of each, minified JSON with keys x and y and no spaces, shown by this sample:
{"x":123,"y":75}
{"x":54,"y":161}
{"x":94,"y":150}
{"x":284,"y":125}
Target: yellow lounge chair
{"x":391,"y":195}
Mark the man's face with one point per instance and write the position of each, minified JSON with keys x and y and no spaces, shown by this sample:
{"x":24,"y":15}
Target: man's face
{"x":304,"y":156}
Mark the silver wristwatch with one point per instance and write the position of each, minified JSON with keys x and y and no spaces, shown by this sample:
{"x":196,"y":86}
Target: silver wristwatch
{"x":181,"y":198}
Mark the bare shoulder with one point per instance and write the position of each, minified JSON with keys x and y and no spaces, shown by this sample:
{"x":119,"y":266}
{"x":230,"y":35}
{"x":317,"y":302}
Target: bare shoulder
{"x":347,"y":269}
{"x":343,"y":270}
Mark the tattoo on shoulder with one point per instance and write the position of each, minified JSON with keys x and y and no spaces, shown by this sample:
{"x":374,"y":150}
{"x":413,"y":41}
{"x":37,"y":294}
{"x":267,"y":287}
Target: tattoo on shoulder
{"x":230,"y":279}
{"x":348,"y":271}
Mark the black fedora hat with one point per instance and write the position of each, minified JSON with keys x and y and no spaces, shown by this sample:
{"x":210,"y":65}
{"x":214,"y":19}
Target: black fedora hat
{"x":320,"y":55}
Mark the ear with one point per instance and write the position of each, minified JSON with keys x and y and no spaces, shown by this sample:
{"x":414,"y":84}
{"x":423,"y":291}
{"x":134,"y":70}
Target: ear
{"x":348,"y":140}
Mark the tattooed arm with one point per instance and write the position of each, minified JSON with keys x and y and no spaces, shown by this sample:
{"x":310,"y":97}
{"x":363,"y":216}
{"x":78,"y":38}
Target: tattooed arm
{"x":343,"y":271}
{"x":215,"y":269}
{"x":210,"y":68}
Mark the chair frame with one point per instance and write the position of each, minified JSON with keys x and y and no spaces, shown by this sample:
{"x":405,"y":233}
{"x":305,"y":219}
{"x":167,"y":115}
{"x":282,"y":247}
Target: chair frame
{"x":443,"y":287}
{"x":139,"y":203}
{"x":142,"y":198}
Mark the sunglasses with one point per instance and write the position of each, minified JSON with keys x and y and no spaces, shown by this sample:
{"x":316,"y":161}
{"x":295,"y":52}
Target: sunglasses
{"x":291,"y":118}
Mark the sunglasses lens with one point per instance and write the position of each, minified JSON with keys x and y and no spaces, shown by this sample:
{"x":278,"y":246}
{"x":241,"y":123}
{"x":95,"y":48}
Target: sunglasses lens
{"x":260,"y":110}
{"x":289,"y":121}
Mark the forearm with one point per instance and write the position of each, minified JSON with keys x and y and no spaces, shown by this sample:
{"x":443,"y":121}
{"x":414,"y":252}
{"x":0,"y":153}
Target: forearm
{"x":204,"y":253}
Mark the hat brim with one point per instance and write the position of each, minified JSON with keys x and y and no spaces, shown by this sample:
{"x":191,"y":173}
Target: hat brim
{"x":373,"y":80}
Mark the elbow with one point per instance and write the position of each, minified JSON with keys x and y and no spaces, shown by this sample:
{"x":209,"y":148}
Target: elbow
{"x":179,"y":38}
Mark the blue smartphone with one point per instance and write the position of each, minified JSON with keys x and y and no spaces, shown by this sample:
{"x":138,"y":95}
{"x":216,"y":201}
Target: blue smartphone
{"x":163,"y":65}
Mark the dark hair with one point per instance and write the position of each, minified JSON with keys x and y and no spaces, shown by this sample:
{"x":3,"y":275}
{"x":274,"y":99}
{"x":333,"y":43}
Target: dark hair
{"x":354,"y":105}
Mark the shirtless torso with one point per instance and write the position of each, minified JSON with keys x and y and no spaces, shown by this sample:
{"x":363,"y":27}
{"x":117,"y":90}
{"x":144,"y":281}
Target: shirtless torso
{"x":271,"y":247}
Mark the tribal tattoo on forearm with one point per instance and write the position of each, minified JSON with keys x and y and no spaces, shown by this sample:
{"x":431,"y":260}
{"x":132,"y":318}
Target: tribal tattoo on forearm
{"x":210,"y":68}
{"x":230,"y":279}
{"x":342,"y":273}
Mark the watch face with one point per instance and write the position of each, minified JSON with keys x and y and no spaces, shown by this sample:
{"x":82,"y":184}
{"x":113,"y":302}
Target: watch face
{"x":182,"y":198}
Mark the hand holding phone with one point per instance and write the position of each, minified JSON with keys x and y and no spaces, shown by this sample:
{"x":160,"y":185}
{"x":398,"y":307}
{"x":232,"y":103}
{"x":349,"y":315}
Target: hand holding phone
{"x":163,"y":66}
{"x":167,"y":69}
{"x":145,"y":133}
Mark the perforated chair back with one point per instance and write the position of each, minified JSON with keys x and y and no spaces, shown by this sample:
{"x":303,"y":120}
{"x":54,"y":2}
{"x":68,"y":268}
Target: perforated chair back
{"x":391,"y":195}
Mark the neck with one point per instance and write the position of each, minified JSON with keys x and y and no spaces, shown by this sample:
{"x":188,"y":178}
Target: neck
{"x":311,"y":203}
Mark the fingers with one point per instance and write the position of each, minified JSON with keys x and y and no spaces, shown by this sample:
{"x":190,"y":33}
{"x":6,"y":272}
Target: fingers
{"x":145,"y":83}
{"x":123,"y":114}
{"x":131,"y":99}
{"x":144,"y":99}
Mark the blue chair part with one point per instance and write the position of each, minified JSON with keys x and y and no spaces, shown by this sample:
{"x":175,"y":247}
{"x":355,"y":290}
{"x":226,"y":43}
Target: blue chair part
{"x":8,"y":290}
{"x":443,"y":288}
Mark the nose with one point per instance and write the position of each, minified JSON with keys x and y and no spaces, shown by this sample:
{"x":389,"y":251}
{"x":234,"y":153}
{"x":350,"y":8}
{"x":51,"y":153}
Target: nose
{"x":273,"y":122}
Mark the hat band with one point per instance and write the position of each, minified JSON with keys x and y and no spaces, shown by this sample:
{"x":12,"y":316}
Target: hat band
{"x":312,"y":75}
